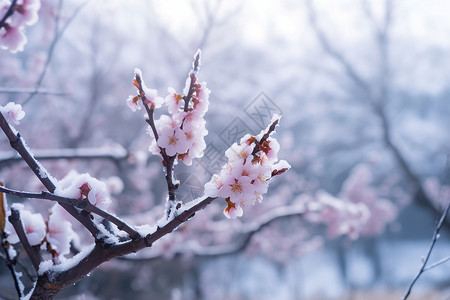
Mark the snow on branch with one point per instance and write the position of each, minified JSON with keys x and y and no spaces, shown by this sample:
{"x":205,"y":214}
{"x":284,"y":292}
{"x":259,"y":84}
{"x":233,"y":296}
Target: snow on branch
{"x":176,"y":136}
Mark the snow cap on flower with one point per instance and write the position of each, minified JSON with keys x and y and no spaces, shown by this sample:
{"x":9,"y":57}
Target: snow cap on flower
{"x":82,"y":186}
{"x":149,"y":96}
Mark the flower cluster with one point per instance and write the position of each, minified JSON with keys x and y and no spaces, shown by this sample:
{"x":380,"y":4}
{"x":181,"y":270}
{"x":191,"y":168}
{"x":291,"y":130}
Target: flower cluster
{"x":14,"y":16}
{"x":342,"y":217}
{"x":182,"y":132}
{"x":12,"y":112}
{"x":244,"y":179}
{"x":359,"y":210}
{"x":55,"y":234}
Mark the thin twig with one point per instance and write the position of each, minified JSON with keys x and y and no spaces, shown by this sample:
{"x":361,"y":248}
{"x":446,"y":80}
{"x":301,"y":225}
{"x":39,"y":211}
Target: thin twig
{"x":11,"y":264}
{"x":30,"y":91}
{"x":438,"y":263}
{"x":247,"y":231}
{"x":57,"y":36}
{"x":430,"y":249}
{"x":8,"y":13}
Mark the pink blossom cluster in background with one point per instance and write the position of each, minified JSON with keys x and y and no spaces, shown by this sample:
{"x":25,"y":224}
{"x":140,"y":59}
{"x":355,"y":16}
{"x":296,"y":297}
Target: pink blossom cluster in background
{"x":244,"y":179}
{"x":358,"y":210}
{"x":14,"y":16}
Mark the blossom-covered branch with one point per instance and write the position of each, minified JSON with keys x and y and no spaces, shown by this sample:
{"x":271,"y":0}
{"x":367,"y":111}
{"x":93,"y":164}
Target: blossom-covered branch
{"x":177,"y":136}
{"x":14,"y":16}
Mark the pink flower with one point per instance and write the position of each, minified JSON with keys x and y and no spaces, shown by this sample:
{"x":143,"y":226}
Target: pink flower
{"x":213,"y":187}
{"x":232,"y":211}
{"x":151,"y":97}
{"x":173,"y":140}
{"x":13,"y":112}
{"x":26,"y":13}
{"x":133,"y":103}
{"x":173,"y":101}
{"x":236,"y":189}
{"x":59,"y":231}
{"x":33,"y":225}
{"x":12,"y":38}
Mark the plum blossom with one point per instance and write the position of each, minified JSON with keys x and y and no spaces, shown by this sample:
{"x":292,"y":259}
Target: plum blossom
{"x":133,"y":103}
{"x":12,"y":38}
{"x":12,"y":33}
{"x":59,"y":231}
{"x":13,"y":112}
{"x":233,"y":210}
{"x":358,"y":210}
{"x":83,"y":186}
{"x":33,"y":225}
{"x":173,"y":140}
{"x":341,"y":216}
{"x":148,"y":96}
{"x":245,"y":178}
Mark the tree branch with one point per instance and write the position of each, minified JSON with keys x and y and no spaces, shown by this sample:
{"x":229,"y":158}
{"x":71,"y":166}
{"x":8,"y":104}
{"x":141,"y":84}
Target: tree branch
{"x":247,"y":231}
{"x":33,"y":254}
{"x":115,"y":154}
{"x":57,"y":35}
{"x":30,"y":91}
{"x":101,"y":252}
{"x":81,"y":204}
{"x":18,"y":144}
{"x":430,"y":249}
{"x":8,"y":13}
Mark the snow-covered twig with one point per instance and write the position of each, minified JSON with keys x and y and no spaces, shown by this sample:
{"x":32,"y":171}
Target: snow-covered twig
{"x":18,"y":144}
{"x":81,"y":204}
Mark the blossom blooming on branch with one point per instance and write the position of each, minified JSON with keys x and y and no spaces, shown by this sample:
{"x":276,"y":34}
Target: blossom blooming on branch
{"x":13,"y":112}
{"x":182,"y":132}
{"x":83,"y":186}
{"x":245,"y":178}
{"x":59,"y":231}
{"x":33,"y":225}
{"x":13,"y":18}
